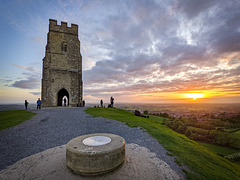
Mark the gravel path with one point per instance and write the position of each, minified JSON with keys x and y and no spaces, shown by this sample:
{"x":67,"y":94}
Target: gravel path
{"x":53,"y":127}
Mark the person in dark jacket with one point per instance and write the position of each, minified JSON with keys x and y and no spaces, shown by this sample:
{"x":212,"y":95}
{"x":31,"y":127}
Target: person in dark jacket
{"x":39,"y":103}
{"x":26,"y":104}
{"x":112,"y":101}
{"x":65,"y":101}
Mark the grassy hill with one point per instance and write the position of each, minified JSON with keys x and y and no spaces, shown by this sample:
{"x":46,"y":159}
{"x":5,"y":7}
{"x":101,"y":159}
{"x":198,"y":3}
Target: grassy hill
{"x":201,"y":162}
{"x":14,"y":117}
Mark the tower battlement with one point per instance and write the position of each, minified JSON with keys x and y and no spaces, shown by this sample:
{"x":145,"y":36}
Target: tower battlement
{"x":53,"y":26}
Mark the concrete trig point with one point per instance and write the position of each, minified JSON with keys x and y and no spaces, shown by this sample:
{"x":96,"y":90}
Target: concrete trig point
{"x":95,"y":154}
{"x":62,"y":66}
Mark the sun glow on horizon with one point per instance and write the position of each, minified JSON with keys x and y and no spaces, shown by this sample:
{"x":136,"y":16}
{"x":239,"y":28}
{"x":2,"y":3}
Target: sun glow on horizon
{"x":194,"y":95}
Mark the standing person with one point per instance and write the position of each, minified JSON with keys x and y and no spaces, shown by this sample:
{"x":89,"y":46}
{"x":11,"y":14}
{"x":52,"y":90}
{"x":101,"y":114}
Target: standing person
{"x":26,"y":104}
{"x":64,"y":101}
{"x":83,"y":103}
{"x":112,"y":101}
{"x":39,"y":103}
{"x":101,"y":103}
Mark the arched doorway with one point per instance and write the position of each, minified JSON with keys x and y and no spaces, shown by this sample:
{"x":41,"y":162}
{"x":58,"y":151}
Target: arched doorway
{"x":63,"y":94}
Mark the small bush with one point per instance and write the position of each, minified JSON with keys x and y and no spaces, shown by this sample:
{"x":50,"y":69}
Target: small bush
{"x":233,"y":157}
{"x":145,"y":112}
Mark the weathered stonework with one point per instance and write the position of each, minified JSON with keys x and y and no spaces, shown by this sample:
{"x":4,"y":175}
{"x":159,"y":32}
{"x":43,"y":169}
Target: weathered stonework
{"x":62,"y":66}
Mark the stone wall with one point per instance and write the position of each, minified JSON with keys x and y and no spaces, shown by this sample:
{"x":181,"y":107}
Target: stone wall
{"x":62,"y":65}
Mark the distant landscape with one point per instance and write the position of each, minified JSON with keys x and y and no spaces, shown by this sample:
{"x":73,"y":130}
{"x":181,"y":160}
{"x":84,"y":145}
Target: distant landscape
{"x":215,"y":126}
{"x":184,"y":108}
{"x":170,"y":108}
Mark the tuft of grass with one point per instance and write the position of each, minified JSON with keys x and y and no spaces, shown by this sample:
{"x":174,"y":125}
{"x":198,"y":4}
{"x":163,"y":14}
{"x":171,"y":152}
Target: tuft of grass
{"x":202,"y":163}
{"x":169,"y":154}
{"x":14,"y":117}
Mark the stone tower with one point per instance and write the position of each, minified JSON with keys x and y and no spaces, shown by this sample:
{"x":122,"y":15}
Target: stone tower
{"x":62,"y":66}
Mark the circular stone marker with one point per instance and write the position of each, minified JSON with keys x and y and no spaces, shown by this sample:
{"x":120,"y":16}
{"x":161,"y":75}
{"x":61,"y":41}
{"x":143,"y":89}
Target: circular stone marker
{"x":94,"y":154}
{"x":96,"y":141}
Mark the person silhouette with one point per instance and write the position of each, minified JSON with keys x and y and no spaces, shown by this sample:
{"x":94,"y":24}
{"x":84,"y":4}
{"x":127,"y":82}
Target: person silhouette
{"x":112,"y":101}
{"x":65,"y":101}
{"x":26,"y":104}
{"x":39,"y":103}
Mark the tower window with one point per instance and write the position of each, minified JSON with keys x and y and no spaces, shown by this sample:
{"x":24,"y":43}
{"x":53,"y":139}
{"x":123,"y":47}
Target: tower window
{"x":64,"y":47}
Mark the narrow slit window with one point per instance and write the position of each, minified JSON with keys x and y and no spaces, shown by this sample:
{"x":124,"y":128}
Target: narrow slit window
{"x":64,"y":47}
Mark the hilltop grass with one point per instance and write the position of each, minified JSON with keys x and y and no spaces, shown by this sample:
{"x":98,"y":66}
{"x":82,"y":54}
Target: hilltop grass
{"x":14,"y":117}
{"x":201,"y":162}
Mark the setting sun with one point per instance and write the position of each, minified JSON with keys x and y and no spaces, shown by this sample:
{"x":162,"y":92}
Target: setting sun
{"x":195,"y":95}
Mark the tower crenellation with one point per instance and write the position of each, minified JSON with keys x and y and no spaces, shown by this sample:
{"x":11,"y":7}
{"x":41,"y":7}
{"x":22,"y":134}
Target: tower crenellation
{"x":53,"y":26}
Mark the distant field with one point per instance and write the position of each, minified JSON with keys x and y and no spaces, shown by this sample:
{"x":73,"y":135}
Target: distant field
{"x":201,"y":162}
{"x":232,"y":130}
{"x":236,"y":134}
{"x":14,"y":117}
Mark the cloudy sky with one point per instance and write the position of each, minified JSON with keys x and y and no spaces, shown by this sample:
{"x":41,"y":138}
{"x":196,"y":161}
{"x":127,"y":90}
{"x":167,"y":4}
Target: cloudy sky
{"x":151,"y":51}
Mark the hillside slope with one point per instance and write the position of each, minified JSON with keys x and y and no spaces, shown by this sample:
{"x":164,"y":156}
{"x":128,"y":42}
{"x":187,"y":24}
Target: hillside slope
{"x":201,"y":163}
